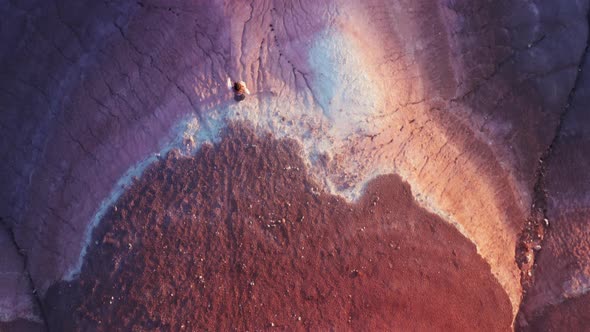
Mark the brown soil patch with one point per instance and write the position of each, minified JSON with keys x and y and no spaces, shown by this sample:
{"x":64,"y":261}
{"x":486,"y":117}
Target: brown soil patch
{"x":239,"y":237}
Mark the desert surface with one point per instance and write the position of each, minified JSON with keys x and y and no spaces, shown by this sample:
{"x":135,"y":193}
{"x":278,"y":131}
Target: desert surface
{"x":383,"y":165}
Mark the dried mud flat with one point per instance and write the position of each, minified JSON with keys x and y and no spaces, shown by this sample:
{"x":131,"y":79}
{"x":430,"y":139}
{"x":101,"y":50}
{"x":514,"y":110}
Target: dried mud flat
{"x":238,"y":238}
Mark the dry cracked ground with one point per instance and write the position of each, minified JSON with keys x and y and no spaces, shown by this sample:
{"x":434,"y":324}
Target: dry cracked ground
{"x":398,"y":165}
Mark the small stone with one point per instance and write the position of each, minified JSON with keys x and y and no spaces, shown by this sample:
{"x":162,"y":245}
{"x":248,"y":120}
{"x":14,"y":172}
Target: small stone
{"x":546,"y":222}
{"x":537,"y":247}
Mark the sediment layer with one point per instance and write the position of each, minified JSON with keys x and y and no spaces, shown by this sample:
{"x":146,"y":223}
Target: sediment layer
{"x":465,"y":101}
{"x":240,"y":237}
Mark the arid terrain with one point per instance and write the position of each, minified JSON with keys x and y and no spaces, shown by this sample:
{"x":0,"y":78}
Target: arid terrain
{"x":397,"y":165}
{"x":237,"y":238}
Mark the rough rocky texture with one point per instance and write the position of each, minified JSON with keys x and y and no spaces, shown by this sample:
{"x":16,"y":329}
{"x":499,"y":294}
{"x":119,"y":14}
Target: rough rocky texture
{"x":562,"y":271}
{"x":22,"y":325}
{"x":470,"y":102}
{"x":18,"y":307}
{"x":239,"y":238}
{"x":571,"y":315}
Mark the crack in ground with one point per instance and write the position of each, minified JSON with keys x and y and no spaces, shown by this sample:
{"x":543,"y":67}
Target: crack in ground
{"x":22,"y":253}
{"x":537,"y":224}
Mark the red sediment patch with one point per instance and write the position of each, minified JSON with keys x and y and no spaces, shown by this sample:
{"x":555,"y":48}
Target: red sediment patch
{"x":239,"y":237}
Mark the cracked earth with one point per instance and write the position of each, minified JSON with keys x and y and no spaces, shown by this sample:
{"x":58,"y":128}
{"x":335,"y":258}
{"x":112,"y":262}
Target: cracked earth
{"x":402,"y":165}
